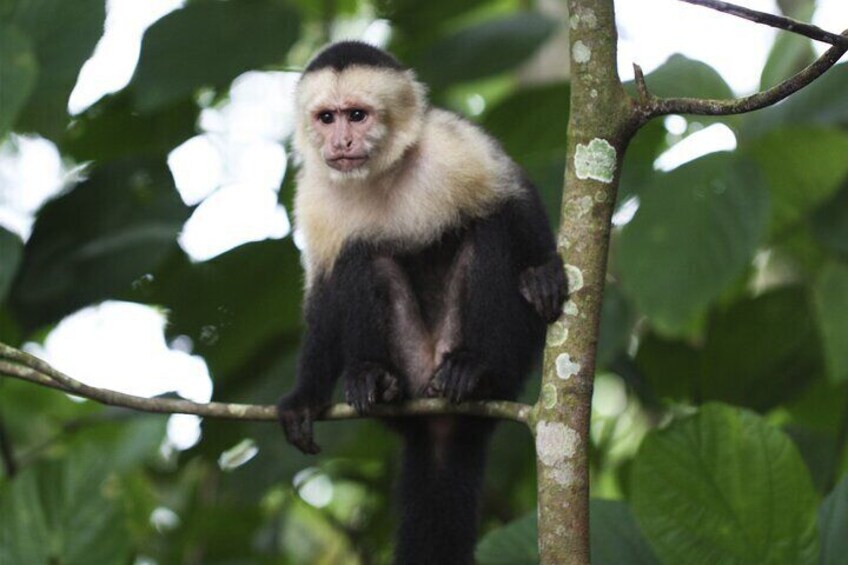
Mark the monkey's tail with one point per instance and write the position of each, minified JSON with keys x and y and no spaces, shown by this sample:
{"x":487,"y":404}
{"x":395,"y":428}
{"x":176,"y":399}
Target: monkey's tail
{"x":442,"y":474}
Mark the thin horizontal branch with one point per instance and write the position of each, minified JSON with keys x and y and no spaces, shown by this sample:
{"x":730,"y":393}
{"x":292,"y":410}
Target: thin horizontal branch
{"x":780,"y":22}
{"x":20,"y":365}
{"x":648,"y":106}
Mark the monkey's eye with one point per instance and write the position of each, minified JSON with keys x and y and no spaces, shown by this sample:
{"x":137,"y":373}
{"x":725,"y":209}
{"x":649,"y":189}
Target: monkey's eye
{"x":326,"y":117}
{"x":358,"y":115}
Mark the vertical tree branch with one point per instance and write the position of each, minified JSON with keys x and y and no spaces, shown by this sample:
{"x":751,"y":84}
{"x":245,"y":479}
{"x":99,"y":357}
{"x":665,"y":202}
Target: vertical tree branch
{"x":599,"y":129}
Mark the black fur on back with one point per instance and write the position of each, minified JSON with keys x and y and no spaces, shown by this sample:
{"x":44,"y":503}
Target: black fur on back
{"x":344,"y":54}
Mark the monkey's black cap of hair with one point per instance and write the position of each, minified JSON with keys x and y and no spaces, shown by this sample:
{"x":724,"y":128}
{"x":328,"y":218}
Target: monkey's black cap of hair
{"x":346,"y":54}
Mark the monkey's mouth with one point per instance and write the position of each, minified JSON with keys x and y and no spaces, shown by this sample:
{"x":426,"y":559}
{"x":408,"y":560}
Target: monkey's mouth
{"x":347,"y":162}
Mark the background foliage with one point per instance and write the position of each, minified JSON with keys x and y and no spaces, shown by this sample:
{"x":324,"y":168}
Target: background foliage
{"x":721,"y":416}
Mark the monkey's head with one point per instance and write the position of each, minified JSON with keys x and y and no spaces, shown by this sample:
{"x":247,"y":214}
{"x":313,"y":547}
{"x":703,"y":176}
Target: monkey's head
{"x":358,"y":111}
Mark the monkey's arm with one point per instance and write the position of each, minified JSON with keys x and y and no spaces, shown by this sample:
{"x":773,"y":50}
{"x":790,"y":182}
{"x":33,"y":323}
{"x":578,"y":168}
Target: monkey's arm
{"x":318,"y":368}
{"x":542,"y":281}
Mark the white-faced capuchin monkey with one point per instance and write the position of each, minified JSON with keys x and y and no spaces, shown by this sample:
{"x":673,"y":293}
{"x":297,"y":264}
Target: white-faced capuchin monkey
{"x":431,"y":271}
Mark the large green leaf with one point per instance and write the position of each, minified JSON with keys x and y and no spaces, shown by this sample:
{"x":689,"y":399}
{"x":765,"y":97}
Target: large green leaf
{"x":761,"y":351}
{"x":112,"y":128}
{"x":63,"y":35}
{"x":830,"y":223}
{"x":513,"y":544}
{"x":724,"y":487}
{"x":831,"y":299}
{"x":233,"y":306}
{"x":833,"y":523}
{"x":484,"y":49}
{"x":696,"y":230}
{"x":92,"y":243}
{"x":18,"y":73}
{"x":418,"y":18}
{"x":210,"y":44}
{"x":11,"y":250}
{"x":789,"y":54}
{"x":803,"y":167}
{"x":616,"y":538}
{"x":822,"y":102}
{"x":62,"y":512}
{"x":531,"y":123}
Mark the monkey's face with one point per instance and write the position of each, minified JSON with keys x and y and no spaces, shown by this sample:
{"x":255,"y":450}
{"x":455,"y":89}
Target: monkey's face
{"x":346,"y":135}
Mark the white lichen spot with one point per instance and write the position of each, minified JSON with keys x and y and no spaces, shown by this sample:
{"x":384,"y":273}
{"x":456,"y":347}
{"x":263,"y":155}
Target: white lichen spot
{"x":557,"y":334}
{"x":570,"y":308}
{"x":574,"y":21}
{"x":563,"y":474}
{"x":565,"y":367}
{"x":555,"y":442}
{"x":549,"y":396}
{"x":575,"y":278}
{"x":237,"y":409}
{"x":595,"y":161}
{"x":593,"y":93}
{"x":581,"y":52}
{"x":563,"y":242}
{"x":588,"y":18}
{"x":601,"y":196}
{"x":584,"y":206}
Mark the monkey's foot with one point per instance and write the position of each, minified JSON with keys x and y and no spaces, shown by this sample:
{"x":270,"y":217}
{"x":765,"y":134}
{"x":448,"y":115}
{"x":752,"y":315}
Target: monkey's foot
{"x":458,"y":378}
{"x":369,"y":386}
{"x":296,"y":420}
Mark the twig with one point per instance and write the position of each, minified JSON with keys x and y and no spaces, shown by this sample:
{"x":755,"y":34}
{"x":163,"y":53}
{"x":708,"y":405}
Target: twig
{"x":780,"y":22}
{"x":20,"y":365}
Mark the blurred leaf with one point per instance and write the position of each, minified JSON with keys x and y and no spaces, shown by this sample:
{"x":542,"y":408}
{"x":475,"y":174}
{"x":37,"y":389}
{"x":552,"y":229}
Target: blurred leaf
{"x":238,"y":455}
{"x":61,"y":512}
{"x":821,"y":103}
{"x":484,"y":49}
{"x":803,"y":168}
{"x":761,"y":351}
{"x":672,"y":368}
{"x":112,"y":128}
{"x":210,"y":44}
{"x":724,"y":487}
{"x":93,"y":242}
{"x":637,"y":172}
{"x":616,"y":538}
{"x":682,"y":77}
{"x":233,"y":306}
{"x":531,"y":122}
{"x":422,"y":18}
{"x":11,"y":249}
{"x":833,"y":523}
{"x":512,"y":544}
{"x":789,"y":54}
{"x":830,"y":223}
{"x":818,"y":449}
{"x":18,"y":74}
{"x":63,"y":35}
{"x":617,"y":320}
{"x":696,"y":230}
{"x":831,"y":299}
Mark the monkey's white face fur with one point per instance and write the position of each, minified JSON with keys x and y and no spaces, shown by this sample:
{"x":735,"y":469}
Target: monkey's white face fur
{"x":401,"y":173}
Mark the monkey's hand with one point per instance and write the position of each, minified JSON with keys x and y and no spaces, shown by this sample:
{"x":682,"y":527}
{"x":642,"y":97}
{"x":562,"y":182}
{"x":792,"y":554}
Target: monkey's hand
{"x":296,"y":416}
{"x":457,"y":378}
{"x":369,"y":384}
{"x":545,"y":288}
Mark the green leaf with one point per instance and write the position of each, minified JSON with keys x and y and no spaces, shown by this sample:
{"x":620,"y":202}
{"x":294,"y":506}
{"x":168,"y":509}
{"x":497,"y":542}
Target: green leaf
{"x":761,"y":351}
{"x":112,"y":129}
{"x":724,"y":487}
{"x":616,"y":538}
{"x":670,"y":367}
{"x":421,"y":18}
{"x":831,"y":299}
{"x":789,"y":54}
{"x":680,"y":76}
{"x":61,"y":512}
{"x":803,"y":167}
{"x":234,"y":306}
{"x":63,"y":35}
{"x":617,"y":320}
{"x":512,"y":544}
{"x":696,"y":230}
{"x":833,"y":523}
{"x":830,"y":223}
{"x":823,"y":102}
{"x":11,"y":250}
{"x":18,"y":74}
{"x":93,"y":242}
{"x":484,"y":49}
{"x":210,"y":44}
{"x":531,"y":123}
